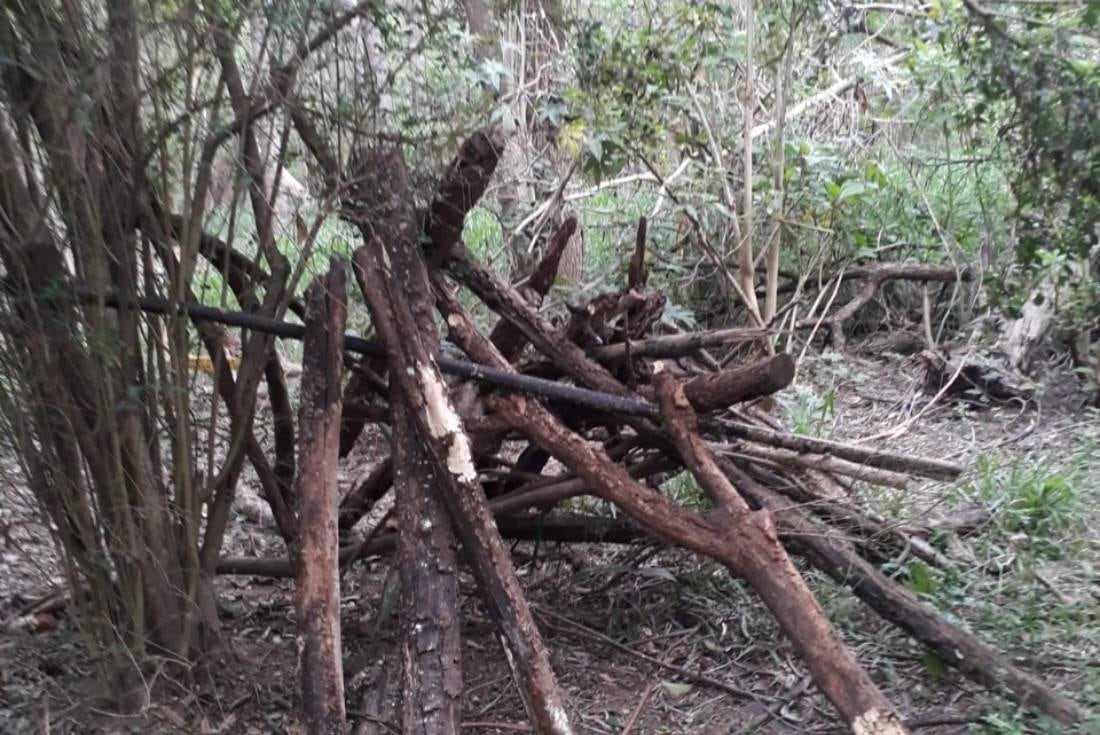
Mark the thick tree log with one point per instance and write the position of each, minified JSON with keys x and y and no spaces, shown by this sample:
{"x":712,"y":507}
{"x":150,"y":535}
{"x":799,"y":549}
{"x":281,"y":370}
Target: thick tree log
{"x":317,"y":585}
{"x":723,"y":389}
{"x":431,"y":644}
{"x":761,"y":560}
{"x":462,"y":185}
{"x":389,"y":266}
{"x":894,"y":603}
{"x":847,"y":687}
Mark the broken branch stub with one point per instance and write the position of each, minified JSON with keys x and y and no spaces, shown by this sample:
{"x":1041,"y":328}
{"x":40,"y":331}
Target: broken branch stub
{"x":461,"y":187}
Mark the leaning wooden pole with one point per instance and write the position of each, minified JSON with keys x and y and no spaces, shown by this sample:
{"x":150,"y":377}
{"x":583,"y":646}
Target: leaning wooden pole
{"x":317,"y":588}
{"x":389,"y":266}
{"x":761,"y":560}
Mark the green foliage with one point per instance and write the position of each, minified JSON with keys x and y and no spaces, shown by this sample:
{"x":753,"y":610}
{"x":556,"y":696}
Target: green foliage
{"x":1035,"y":78}
{"x":634,"y":74}
{"x":1032,"y":500}
{"x":683,"y":489}
{"x":483,"y":235}
{"x":807,"y":412}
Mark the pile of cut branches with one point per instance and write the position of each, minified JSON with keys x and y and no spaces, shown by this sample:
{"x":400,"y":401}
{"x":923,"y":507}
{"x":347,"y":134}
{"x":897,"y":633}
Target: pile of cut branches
{"x":615,"y":399}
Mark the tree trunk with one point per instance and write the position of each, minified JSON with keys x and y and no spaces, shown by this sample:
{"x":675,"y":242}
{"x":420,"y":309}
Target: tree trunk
{"x":390,"y":267}
{"x":317,"y":587}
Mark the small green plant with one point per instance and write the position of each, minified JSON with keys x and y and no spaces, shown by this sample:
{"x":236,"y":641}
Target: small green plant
{"x":685,"y":490}
{"x":482,"y":234}
{"x":1019,"y":723}
{"x":808,"y":412}
{"x":1032,"y":499}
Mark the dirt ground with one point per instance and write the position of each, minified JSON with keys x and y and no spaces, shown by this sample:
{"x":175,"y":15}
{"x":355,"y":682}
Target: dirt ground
{"x":647,"y":635}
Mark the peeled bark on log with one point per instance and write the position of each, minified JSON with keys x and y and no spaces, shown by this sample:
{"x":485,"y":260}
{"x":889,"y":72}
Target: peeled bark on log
{"x":427,"y":562}
{"x":317,"y":585}
{"x":761,"y":560}
{"x":894,"y":603}
{"x":389,"y":266}
{"x":430,"y":636}
{"x":431,"y":643}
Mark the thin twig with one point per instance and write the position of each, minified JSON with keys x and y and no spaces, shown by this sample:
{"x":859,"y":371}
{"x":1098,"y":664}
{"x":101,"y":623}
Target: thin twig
{"x":638,"y":709}
{"x":688,"y":674}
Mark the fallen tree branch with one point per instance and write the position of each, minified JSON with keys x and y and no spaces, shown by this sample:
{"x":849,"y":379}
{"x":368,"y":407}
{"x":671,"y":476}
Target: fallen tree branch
{"x":602,"y":401}
{"x":848,"y":688}
{"x":676,"y":345}
{"x":924,"y":467}
{"x":788,"y":458}
{"x":873,"y":277}
{"x":757,"y":556}
{"x":894,"y":603}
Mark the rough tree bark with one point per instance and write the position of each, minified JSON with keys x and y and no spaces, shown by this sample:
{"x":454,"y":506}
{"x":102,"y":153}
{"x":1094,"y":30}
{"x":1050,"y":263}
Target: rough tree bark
{"x":847,"y":686}
{"x":317,"y":583}
{"x":721,"y":390}
{"x":763,"y":562}
{"x":389,"y":265}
